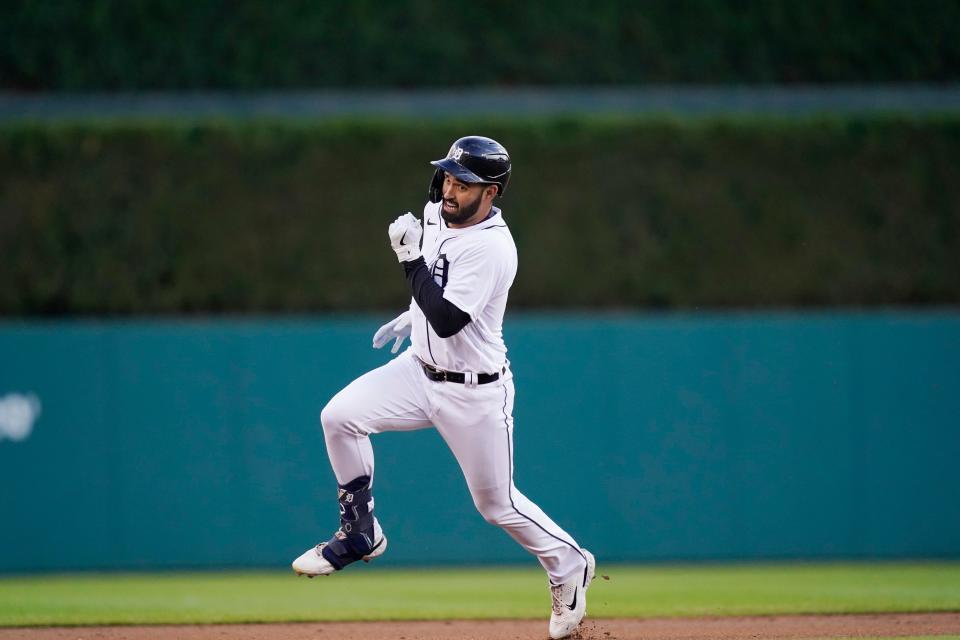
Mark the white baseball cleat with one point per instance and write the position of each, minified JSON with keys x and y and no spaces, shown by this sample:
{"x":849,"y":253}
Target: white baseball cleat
{"x":311,"y":562}
{"x":570,"y":601}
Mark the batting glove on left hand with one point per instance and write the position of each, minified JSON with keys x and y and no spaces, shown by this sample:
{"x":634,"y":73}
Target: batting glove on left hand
{"x":397,"y":329}
{"x":405,"y":235}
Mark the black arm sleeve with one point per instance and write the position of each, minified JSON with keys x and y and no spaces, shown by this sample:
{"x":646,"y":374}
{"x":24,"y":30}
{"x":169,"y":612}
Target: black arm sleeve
{"x":445,"y":317}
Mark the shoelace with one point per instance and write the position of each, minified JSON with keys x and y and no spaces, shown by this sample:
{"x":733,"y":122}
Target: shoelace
{"x":339,"y":534}
{"x":556,"y":594}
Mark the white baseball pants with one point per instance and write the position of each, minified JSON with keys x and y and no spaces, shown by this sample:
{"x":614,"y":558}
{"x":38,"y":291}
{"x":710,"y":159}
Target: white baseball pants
{"x":477,"y":425}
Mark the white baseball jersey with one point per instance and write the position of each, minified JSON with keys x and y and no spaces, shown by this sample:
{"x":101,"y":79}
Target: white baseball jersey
{"x":475,"y":266}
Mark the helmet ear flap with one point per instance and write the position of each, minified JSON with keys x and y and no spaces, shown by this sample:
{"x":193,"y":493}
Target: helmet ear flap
{"x":436,"y":187}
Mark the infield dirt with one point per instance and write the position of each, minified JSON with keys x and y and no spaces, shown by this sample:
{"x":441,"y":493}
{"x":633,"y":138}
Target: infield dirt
{"x":725,"y":628}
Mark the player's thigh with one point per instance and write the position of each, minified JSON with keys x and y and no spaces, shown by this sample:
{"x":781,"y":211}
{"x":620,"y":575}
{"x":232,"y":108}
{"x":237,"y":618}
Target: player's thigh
{"x":477,"y":425}
{"x":388,"y":398}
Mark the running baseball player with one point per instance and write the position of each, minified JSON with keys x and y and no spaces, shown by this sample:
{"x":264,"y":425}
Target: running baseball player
{"x":454,"y":376}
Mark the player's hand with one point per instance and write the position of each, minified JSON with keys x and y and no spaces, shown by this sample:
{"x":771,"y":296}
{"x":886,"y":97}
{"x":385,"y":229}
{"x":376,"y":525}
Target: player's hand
{"x":405,"y":235}
{"x":398,"y":329}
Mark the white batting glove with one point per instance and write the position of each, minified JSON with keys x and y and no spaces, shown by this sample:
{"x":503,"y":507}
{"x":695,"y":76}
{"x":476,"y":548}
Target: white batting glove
{"x":398,"y":328}
{"x":405,"y":235}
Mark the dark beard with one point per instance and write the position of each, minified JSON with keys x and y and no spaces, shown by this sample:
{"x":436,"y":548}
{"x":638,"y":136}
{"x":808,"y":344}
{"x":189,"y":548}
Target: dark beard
{"x":465,"y":213}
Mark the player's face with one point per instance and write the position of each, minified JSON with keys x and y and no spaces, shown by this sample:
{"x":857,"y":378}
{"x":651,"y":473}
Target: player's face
{"x":462,"y":201}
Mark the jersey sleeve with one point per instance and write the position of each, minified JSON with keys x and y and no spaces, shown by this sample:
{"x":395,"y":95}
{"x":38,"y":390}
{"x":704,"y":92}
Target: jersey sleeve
{"x":478,"y":274}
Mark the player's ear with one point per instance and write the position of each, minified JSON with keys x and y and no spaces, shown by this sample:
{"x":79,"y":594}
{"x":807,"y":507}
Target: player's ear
{"x":492,"y":190}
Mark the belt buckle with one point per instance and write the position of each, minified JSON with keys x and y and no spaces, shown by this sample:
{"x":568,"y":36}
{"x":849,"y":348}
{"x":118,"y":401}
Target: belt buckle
{"x":436,"y":371}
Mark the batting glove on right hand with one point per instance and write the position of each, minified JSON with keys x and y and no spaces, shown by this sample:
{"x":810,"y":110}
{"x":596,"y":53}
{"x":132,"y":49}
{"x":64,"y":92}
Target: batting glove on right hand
{"x":405,"y":235}
{"x":398,"y":328}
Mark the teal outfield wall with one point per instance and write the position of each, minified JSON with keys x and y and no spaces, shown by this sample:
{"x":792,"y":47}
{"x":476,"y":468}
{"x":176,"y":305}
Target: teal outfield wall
{"x":663,"y":437}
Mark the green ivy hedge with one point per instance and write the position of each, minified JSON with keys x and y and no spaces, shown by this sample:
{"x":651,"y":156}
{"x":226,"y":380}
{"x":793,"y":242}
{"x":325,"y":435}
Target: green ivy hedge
{"x":93,"y":45}
{"x":132,"y":218}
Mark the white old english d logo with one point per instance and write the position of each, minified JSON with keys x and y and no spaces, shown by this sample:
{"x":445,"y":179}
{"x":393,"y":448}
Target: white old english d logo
{"x":457,"y":152}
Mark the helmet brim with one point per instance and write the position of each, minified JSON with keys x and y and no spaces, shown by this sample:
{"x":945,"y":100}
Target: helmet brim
{"x":458,"y":171}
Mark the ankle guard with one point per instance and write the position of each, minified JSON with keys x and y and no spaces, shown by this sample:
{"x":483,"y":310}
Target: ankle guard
{"x":355,"y":539}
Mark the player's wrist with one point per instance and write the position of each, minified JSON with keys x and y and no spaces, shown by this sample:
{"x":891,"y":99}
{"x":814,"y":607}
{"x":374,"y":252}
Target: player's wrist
{"x":408,"y":254}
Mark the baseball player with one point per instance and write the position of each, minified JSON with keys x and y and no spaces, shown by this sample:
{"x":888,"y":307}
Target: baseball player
{"x":455,"y":376}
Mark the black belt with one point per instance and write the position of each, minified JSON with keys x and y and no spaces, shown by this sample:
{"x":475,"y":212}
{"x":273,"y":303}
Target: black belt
{"x":441,"y":375}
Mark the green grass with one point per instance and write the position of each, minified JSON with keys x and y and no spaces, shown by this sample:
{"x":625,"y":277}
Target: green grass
{"x":369,"y":593}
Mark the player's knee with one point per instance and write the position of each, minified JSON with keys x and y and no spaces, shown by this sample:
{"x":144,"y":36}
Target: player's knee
{"x":493,"y":509}
{"x":498,"y":517}
{"x":333,"y":418}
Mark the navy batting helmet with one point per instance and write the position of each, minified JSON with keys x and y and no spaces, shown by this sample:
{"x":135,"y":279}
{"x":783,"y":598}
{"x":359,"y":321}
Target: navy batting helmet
{"x":473,"y":159}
